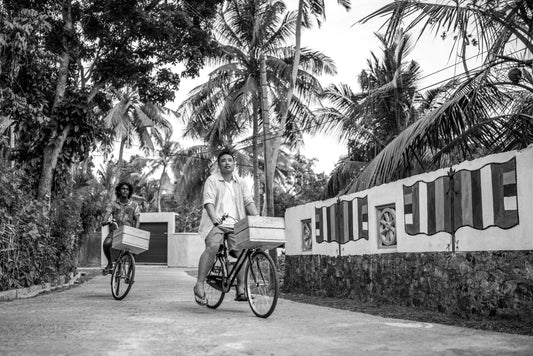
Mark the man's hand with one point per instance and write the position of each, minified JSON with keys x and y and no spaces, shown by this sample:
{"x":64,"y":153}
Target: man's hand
{"x":112,"y":224}
{"x":220,"y":220}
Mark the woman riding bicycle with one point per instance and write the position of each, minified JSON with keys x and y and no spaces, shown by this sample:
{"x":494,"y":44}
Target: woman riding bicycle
{"x":124,"y":212}
{"x":225,"y":194}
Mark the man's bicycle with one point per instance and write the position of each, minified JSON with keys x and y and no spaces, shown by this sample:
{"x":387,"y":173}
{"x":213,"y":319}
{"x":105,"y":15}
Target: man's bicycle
{"x":261,"y":279}
{"x":123,"y":275}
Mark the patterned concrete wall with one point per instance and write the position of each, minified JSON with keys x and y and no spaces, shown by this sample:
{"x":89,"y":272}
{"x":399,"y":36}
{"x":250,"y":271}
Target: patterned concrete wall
{"x":491,"y":211}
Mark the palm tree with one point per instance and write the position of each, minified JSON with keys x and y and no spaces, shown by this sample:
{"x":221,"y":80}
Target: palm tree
{"x":485,"y":23}
{"x":134,"y":121}
{"x":306,"y":10}
{"x":368,"y":120}
{"x":194,"y":164}
{"x":481,"y":109}
{"x":167,"y":156}
{"x":222,"y":108}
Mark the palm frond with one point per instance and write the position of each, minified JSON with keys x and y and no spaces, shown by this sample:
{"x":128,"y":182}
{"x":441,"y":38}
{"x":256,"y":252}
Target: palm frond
{"x":470,"y":105}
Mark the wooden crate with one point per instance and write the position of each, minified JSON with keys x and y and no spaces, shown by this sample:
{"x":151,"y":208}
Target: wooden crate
{"x":260,"y":232}
{"x":131,"y":239}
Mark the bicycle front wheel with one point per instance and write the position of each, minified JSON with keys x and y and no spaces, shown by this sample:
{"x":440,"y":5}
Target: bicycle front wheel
{"x":214,"y":286}
{"x":262,"y":285}
{"x":123,"y":276}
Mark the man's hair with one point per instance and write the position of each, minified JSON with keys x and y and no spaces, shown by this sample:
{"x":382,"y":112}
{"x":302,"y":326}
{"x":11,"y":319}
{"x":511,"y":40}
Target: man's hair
{"x":120,"y":185}
{"x":225,"y":151}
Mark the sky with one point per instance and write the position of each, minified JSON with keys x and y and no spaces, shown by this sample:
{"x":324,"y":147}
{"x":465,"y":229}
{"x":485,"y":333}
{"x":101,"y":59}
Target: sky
{"x":349,"y":44}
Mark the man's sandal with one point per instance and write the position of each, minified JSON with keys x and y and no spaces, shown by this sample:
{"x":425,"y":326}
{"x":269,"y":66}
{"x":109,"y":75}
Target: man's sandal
{"x":107,"y":270}
{"x":241,"y":297}
{"x":200,"y":300}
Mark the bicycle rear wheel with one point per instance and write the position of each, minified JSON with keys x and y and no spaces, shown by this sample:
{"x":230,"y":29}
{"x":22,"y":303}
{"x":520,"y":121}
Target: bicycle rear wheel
{"x":214,"y":290}
{"x":262,"y":284}
{"x":123,"y":276}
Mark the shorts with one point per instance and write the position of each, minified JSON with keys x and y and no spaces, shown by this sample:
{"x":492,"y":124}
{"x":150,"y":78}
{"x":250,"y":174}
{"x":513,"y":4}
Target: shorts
{"x":216,"y":236}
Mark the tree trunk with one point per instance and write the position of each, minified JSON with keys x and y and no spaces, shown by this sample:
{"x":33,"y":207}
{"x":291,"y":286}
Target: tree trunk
{"x":255,"y":154}
{"x":275,"y":139}
{"x":117,"y":171}
{"x":267,"y":144}
{"x":50,"y":156}
{"x":159,"y":189}
{"x":53,"y":149}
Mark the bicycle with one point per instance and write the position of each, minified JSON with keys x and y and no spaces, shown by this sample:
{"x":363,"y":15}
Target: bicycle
{"x":261,"y":279}
{"x":123,"y":275}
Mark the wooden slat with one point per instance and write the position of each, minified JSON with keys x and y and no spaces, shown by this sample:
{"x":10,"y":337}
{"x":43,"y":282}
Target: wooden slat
{"x":259,"y":222}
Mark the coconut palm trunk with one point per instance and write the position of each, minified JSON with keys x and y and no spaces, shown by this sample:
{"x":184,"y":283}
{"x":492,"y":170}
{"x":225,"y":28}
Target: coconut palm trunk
{"x":159,"y":188}
{"x":255,"y":153}
{"x":267,"y":141}
{"x":274,"y":141}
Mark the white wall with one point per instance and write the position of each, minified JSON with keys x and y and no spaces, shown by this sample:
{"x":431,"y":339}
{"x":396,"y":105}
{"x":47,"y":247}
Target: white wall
{"x":184,"y":249}
{"x":468,"y":239}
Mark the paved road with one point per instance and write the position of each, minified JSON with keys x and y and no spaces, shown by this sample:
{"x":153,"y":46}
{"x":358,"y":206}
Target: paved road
{"x":159,"y":317}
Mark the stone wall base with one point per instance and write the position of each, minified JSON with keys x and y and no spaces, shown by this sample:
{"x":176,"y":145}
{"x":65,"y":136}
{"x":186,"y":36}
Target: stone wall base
{"x":465,"y":283}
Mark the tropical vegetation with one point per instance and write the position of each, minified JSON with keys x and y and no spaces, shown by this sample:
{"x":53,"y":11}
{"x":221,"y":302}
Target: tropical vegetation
{"x":79,"y":78}
{"x":486,"y":110}
{"x":253,"y":66}
{"x":62,"y":65}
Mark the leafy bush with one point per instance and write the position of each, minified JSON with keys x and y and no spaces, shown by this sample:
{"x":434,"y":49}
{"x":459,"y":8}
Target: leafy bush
{"x":34,"y":248}
{"x":188,"y":213}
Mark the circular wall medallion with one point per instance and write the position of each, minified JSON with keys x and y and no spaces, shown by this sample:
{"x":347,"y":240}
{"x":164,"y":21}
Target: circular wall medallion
{"x":387,"y":226}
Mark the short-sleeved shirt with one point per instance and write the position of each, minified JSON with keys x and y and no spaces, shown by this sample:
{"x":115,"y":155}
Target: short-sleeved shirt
{"x":124,"y":213}
{"x":215,"y":190}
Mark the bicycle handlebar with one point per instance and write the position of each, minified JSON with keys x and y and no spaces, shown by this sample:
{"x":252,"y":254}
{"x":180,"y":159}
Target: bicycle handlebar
{"x":109,"y":222}
{"x":226,"y":215}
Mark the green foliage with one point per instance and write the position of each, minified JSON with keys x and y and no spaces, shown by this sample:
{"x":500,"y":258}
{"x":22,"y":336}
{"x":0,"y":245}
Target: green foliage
{"x":59,"y":65}
{"x":93,"y":206}
{"x":304,"y":186}
{"x":34,"y":248}
{"x":189,"y":212}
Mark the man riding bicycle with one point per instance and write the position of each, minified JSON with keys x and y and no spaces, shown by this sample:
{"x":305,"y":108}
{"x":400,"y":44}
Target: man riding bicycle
{"x":226,"y":199}
{"x":124,"y":212}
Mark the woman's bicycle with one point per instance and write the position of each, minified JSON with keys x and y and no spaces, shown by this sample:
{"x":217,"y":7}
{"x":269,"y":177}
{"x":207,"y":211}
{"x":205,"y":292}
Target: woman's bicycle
{"x":261,"y":279}
{"x":123,"y":275}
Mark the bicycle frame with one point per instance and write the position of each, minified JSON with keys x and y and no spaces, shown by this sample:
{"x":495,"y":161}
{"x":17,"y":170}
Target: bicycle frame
{"x":232,"y":275}
{"x":260,"y":282}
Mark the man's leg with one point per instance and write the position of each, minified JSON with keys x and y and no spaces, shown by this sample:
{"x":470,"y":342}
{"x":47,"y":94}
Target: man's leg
{"x":240,"y":279}
{"x":108,"y":242}
{"x":212,"y":244}
{"x":241,"y":296}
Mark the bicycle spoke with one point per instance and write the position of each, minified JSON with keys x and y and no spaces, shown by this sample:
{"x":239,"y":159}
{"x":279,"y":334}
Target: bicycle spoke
{"x":215,"y":279}
{"x":262,"y":284}
{"x":123,"y":276}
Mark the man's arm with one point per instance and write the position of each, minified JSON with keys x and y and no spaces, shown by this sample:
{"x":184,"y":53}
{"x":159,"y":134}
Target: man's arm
{"x":107,"y":214}
{"x":249,"y":204}
{"x":137,"y":216}
{"x":210,"y":208}
{"x":251,"y":209}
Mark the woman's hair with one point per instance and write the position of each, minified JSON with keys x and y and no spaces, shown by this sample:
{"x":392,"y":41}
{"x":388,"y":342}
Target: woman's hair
{"x":120,"y":185}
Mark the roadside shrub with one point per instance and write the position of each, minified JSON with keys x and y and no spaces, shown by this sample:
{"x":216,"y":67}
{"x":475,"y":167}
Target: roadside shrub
{"x":34,"y":248}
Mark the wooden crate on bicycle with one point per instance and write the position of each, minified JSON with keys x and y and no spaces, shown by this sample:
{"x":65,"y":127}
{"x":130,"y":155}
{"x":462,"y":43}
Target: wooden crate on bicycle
{"x":263,"y":232}
{"x":131,"y":239}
